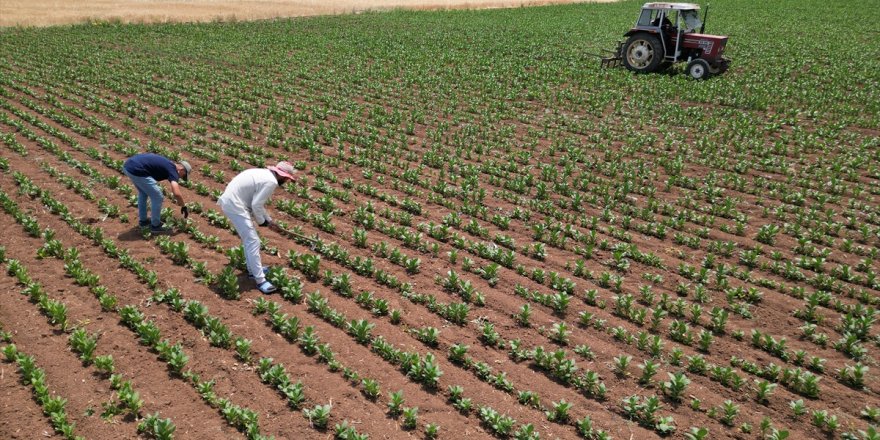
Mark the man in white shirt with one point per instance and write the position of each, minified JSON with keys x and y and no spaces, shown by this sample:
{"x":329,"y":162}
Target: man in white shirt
{"x":246,"y":196}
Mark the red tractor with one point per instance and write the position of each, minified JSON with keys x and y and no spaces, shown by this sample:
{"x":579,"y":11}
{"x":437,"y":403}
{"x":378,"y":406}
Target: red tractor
{"x":669,"y":33}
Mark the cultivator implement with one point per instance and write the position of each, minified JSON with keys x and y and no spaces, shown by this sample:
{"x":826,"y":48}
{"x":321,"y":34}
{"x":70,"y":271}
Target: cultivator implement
{"x":611,"y":58}
{"x":614,"y":57}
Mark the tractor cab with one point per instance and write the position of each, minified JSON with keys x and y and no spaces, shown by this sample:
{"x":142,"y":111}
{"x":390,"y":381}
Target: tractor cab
{"x":669,"y":21}
{"x":669,"y":33}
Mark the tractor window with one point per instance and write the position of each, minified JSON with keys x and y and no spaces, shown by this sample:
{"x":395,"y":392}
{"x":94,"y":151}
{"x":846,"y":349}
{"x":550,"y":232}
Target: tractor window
{"x":691,"y":20}
{"x":647,"y":17}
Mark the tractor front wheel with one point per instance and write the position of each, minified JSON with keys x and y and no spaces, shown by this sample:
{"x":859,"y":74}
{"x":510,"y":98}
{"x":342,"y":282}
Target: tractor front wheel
{"x":698,"y":69}
{"x":643,"y":53}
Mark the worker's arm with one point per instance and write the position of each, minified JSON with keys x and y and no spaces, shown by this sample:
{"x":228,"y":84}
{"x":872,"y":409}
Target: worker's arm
{"x":258,"y":206}
{"x":175,"y":190}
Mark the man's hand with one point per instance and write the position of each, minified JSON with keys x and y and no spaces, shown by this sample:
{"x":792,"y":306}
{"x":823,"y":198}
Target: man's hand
{"x":274,"y":227}
{"x":184,"y":211}
{"x":175,"y":190}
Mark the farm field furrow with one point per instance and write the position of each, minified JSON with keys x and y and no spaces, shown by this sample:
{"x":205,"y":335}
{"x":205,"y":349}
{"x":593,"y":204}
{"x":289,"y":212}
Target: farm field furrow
{"x":499,"y":239}
{"x":618,"y":387}
{"x":158,"y":256}
{"x":232,"y":372}
{"x":786,"y":311}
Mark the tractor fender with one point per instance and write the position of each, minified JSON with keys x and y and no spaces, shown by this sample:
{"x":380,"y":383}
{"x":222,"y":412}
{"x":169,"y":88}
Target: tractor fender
{"x":633,"y":31}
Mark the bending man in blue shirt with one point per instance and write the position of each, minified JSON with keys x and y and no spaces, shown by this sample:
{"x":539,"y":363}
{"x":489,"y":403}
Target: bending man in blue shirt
{"x":146,"y":170}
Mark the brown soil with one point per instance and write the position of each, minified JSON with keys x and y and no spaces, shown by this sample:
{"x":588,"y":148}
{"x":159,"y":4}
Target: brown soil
{"x":238,"y":382}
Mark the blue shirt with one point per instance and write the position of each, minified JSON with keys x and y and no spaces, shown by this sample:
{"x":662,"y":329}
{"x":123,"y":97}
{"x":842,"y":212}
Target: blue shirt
{"x":152,"y":165}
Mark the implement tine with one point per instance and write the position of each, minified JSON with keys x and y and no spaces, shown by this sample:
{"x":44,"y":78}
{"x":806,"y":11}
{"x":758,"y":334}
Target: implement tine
{"x":614,"y":60}
{"x":611,"y":62}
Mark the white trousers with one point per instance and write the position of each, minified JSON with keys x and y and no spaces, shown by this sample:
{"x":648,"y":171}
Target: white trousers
{"x":250,"y":240}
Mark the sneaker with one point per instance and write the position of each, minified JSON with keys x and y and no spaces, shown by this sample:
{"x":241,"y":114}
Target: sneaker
{"x":266,"y":287}
{"x":159,"y":230}
{"x":265,"y":271}
{"x":144,"y":224}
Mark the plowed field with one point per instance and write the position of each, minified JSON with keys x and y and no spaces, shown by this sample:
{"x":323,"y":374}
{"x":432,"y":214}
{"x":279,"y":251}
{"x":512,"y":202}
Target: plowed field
{"x":494,"y":237}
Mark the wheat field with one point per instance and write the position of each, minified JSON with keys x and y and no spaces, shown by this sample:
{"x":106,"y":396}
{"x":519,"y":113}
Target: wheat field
{"x":57,"y":12}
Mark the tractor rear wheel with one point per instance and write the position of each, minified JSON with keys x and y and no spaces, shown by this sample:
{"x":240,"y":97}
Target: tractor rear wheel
{"x":698,"y":69}
{"x":643,"y":53}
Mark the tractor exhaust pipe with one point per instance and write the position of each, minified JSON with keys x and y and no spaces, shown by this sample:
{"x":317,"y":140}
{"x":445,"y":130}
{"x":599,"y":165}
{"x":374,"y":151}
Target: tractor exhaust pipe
{"x":705,"y":14}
